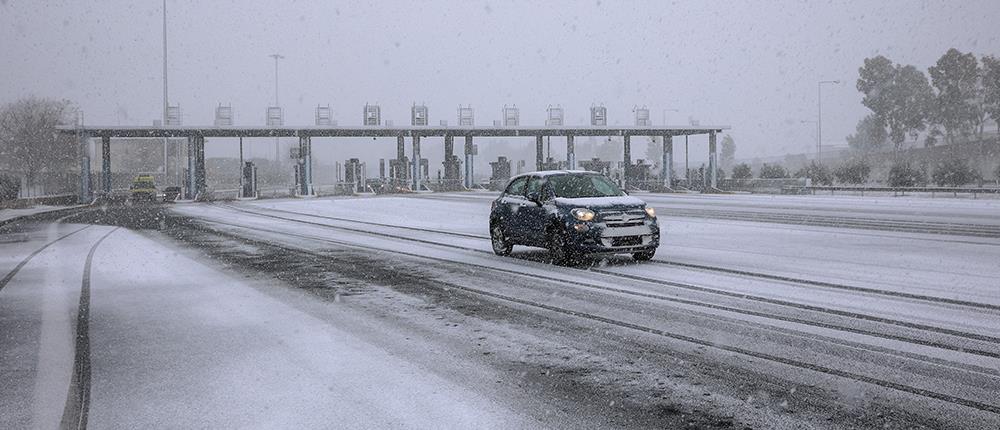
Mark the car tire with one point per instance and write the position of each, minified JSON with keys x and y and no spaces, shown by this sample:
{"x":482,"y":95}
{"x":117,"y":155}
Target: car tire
{"x":644,"y":255}
{"x":559,"y":251}
{"x":502,"y":245}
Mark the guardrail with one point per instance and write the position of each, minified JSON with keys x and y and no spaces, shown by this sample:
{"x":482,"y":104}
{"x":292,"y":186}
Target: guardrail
{"x":955,"y":191}
{"x":55,"y":200}
{"x":766,"y":185}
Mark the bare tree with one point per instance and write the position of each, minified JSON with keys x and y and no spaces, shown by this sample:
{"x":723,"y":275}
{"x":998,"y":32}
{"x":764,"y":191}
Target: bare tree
{"x":29,"y":143}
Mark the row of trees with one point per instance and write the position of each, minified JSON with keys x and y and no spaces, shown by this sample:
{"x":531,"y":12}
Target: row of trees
{"x":961,"y":94}
{"x":29,"y":144}
{"x":952,"y":172}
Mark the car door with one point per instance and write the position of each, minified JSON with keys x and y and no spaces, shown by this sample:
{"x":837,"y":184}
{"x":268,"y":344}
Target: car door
{"x":513,"y":201}
{"x":534,"y":214}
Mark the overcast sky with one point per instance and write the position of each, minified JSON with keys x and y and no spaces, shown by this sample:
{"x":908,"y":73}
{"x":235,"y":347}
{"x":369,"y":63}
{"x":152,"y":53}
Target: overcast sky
{"x":747,"y":65}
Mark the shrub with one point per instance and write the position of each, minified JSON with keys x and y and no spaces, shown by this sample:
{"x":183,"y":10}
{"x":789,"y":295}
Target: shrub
{"x":953,"y":172}
{"x":742,"y":171}
{"x":853,"y":172}
{"x":903,"y":174}
{"x":818,"y":173}
{"x":772,"y":171}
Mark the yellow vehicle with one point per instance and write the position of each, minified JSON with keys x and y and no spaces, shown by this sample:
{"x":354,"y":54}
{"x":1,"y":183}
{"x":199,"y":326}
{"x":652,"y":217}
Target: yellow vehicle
{"x":143,"y":189}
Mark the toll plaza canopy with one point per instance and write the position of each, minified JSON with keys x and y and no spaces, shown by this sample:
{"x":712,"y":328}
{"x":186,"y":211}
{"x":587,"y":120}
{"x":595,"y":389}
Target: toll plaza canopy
{"x":195,"y":181}
{"x":384,"y":131}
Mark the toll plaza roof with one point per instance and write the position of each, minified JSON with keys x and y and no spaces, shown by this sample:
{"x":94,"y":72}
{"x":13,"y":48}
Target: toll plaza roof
{"x":384,"y":131}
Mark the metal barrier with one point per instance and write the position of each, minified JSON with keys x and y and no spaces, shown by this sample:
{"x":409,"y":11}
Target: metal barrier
{"x":955,"y":191}
{"x":767,"y":186}
{"x":53,"y":200}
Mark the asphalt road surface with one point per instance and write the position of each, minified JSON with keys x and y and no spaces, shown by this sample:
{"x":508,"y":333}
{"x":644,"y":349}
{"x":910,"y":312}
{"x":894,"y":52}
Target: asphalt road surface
{"x":391,"y":312}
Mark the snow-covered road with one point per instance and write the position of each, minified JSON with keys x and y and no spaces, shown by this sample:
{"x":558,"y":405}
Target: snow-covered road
{"x":393,"y":312}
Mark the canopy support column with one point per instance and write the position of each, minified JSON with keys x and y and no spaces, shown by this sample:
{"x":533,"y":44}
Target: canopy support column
{"x":713,"y":159}
{"x":667,"y":163}
{"x":106,"y":164}
{"x":305,"y":154}
{"x":416,"y":163}
{"x":469,"y":181}
{"x":570,"y":153}
{"x":83,"y":143}
{"x":539,"y":160}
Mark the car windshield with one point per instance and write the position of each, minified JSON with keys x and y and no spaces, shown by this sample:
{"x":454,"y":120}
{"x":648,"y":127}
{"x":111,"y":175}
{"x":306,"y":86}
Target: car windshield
{"x":575,"y":186}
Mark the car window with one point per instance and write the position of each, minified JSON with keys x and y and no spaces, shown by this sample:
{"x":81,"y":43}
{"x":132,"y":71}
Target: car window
{"x":536,"y":185}
{"x":516,"y":188}
{"x":574,"y":186}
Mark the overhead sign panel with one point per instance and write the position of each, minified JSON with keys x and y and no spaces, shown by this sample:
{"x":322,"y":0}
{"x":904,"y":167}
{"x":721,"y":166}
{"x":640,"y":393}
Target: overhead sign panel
{"x":275,"y":117}
{"x":223,"y":116}
{"x":598,"y":115}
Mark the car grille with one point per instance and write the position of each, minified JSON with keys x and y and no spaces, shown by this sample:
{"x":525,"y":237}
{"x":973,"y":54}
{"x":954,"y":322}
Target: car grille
{"x":627,"y":241}
{"x":623,"y":218}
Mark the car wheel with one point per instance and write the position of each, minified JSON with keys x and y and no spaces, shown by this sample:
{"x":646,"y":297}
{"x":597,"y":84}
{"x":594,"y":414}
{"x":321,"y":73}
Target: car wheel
{"x":501,"y":243}
{"x":561,"y":253}
{"x":644,"y":256}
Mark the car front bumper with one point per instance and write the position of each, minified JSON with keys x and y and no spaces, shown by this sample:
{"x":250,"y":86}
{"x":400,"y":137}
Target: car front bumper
{"x":599,"y":238}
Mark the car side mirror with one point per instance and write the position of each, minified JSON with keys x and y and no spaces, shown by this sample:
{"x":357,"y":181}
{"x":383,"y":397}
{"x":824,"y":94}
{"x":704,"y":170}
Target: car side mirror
{"x":535,"y":197}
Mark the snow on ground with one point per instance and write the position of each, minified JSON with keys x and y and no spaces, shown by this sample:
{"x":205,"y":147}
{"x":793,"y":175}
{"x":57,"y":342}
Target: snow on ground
{"x":476,"y":252}
{"x":948,"y":367}
{"x":924,"y":264}
{"x":250,"y":360}
{"x":37,"y":316}
{"x":973,"y":211}
{"x":176,"y":342}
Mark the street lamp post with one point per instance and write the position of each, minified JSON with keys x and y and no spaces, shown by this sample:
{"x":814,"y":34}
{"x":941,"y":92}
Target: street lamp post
{"x":164,"y":88}
{"x":819,"y":119}
{"x":276,"y":58}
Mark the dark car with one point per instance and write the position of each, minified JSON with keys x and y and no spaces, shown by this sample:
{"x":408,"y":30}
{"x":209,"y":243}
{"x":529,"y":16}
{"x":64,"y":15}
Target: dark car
{"x":572,"y":214}
{"x":171,"y":193}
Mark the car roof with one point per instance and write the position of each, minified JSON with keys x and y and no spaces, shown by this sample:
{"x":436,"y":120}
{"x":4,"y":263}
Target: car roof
{"x":544,"y":173}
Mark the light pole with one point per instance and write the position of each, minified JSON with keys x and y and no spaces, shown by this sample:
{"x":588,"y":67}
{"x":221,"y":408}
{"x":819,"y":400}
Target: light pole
{"x":164,"y":88}
{"x":819,"y":119}
{"x":276,"y":58}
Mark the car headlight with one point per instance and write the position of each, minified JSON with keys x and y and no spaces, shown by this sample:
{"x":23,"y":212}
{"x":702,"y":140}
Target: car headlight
{"x":582,"y":214}
{"x":650,"y":211}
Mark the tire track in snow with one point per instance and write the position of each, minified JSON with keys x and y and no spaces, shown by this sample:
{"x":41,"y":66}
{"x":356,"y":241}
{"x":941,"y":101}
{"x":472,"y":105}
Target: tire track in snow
{"x":77,"y":407}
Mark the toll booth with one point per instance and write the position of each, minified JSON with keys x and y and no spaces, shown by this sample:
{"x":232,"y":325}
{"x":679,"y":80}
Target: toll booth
{"x":551,"y":164}
{"x":399,"y":170}
{"x":501,"y":173}
{"x":596,"y":165}
{"x":452,"y":172}
{"x":249,"y":180}
{"x":424,"y":168}
{"x":298,"y":178}
{"x":354,"y":175}
{"x":640,"y":174}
